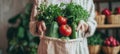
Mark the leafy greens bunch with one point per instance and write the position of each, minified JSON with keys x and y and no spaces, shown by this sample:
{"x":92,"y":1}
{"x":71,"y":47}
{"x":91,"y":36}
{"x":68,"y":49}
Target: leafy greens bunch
{"x":73,"y":12}
{"x":95,"y":39}
{"x":49,"y":13}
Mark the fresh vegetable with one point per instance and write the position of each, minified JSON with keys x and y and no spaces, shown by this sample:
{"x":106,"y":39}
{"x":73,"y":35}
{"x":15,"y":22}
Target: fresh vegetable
{"x":50,"y":13}
{"x":21,"y":32}
{"x":111,"y":38}
{"x":107,"y":42}
{"x":52,"y":30}
{"x":65,"y":30}
{"x":107,"y":12}
{"x":118,"y":10}
{"x":114,"y":43}
{"x":75,"y":13}
{"x":61,"y":20}
{"x":66,"y":38}
{"x":117,"y":43}
{"x":95,"y":39}
{"x":72,"y":14}
{"x":111,"y":41}
{"x":74,"y":34}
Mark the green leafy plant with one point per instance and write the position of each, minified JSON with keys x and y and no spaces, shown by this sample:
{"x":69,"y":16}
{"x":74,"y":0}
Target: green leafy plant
{"x":50,"y":13}
{"x":75,"y":13}
{"x":71,"y":12}
{"x":95,"y":39}
{"x":20,"y":40}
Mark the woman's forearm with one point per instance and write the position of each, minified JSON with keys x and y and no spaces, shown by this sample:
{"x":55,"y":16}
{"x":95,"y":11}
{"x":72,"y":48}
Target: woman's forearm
{"x":33,"y":22}
{"x":91,"y":22}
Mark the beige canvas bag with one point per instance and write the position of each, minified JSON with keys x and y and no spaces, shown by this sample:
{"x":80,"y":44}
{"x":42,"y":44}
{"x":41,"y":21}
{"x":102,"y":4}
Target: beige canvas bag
{"x":50,"y":45}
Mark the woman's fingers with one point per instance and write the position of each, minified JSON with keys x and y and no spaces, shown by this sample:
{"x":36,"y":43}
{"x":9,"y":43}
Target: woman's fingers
{"x":40,"y":27}
{"x":43,"y":25}
{"x":86,"y":26}
{"x":82,"y":26}
{"x":78,"y":27}
{"x":40,"y":30}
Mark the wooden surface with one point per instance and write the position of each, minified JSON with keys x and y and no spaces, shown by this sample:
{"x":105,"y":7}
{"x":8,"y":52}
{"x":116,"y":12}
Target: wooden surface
{"x":109,"y":26}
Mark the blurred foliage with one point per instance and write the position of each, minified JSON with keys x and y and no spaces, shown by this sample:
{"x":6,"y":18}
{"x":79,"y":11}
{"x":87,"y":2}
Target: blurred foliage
{"x":96,"y":39}
{"x":20,"y":40}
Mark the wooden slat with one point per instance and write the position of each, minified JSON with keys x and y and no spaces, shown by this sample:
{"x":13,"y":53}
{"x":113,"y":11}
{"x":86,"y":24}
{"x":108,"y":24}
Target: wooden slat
{"x":109,"y":26}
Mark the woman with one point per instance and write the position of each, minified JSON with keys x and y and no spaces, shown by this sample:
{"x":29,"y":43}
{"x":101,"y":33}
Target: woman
{"x":87,"y":27}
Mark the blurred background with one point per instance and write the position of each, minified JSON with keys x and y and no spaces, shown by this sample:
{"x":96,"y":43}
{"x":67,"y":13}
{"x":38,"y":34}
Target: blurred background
{"x":14,"y":31}
{"x":15,"y":37}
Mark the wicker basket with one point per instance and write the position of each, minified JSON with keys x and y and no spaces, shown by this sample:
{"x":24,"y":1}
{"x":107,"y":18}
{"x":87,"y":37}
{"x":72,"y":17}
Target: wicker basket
{"x":111,"y":50}
{"x":100,"y":19}
{"x":94,"y":49}
{"x":113,"y":19}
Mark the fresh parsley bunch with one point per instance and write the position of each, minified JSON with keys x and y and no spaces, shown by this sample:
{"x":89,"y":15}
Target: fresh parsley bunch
{"x":74,"y":13}
{"x":49,"y":13}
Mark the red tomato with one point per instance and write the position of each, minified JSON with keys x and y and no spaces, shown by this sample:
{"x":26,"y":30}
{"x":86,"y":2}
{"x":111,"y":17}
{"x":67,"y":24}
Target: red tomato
{"x":65,"y":30}
{"x":61,"y":20}
{"x":117,"y":43}
{"x":114,"y":43}
{"x":107,"y":12}
{"x":111,"y":38}
{"x":118,"y":10}
{"x":107,"y":43}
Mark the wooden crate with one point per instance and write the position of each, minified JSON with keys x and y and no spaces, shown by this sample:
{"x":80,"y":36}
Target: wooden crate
{"x":113,"y":19}
{"x":94,"y":49}
{"x":100,"y":19}
{"x":111,"y":50}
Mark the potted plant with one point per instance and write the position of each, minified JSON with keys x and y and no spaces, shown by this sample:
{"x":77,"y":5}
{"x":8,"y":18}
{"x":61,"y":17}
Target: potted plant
{"x":94,"y":43}
{"x":111,"y":46}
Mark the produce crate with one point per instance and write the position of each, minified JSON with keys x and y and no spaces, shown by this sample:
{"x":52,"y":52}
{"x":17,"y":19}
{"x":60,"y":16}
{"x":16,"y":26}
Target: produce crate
{"x":111,"y":50}
{"x":94,"y":49}
{"x":100,"y":19}
{"x":113,"y":19}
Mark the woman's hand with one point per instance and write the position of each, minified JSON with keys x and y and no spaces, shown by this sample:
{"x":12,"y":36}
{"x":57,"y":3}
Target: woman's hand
{"x":35,"y":2}
{"x":41,"y":28}
{"x":83,"y":26}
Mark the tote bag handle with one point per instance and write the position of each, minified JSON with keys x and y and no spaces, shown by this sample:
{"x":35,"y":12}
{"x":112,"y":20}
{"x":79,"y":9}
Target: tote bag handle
{"x":33,"y":21}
